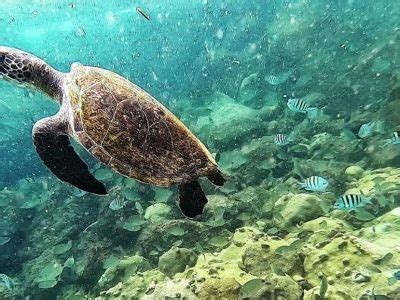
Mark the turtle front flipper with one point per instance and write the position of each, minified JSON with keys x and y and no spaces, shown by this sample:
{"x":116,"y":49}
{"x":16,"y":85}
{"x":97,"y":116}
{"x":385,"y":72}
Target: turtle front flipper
{"x":54,"y":148}
{"x":191,"y":199}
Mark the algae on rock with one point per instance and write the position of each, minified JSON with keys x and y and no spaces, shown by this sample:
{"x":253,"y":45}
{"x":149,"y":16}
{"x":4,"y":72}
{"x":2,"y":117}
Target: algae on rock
{"x":176,"y":260}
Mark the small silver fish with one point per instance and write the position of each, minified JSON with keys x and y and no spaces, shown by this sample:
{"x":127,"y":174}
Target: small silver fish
{"x":315,"y":184}
{"x":139,"y":208}
{"x":298,"y":105}
{"x":7,"y":281}
{"x":394,"y":140}
{"x":117,"y":204}
{"x":369,"y":128}
{"x":366,"y":130}
{"x":351,"y":201}
{"x":282,"y":140}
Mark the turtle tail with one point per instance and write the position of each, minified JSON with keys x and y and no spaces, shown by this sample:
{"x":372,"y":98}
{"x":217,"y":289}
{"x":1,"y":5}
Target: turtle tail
{"x":216,"y":177}
{"x":191,"y":199}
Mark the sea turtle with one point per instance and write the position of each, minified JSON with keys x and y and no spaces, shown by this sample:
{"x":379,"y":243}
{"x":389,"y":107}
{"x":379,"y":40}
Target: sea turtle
{"x":119,"y":124}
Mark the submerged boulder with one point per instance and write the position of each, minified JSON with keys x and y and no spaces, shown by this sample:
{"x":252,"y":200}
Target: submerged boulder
{"x":292,"y":209}
{"x":219,"y":288}
{"x":122,"y":271}
{"x":229,"y":121}
{"x":134,"y":287}
{"x":176,"y":260}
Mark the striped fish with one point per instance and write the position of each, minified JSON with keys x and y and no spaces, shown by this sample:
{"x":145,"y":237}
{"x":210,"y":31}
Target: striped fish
{"x":7,"y":281}
{"x":298,"y":105}
{"x":272,"y":79}
{"x":394,"y":140}
{"x":351,"y":201}
{"x":281,"y":140}
{"x":117,"y":204}
{"x":315,"y":184}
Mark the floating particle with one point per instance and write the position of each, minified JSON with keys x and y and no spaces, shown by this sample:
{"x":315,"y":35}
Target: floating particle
{"x":143,"y":13}
{"x":220,"y":34}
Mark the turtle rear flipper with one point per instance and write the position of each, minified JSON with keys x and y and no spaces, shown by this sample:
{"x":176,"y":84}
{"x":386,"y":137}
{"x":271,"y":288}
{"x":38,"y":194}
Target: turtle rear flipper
{"x":54,"y":148}
{"x":191,"y":199}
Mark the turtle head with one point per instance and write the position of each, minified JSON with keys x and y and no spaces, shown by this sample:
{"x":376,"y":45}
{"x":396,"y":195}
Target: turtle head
{"x":20,"y":66}
{"x":15,"y":65}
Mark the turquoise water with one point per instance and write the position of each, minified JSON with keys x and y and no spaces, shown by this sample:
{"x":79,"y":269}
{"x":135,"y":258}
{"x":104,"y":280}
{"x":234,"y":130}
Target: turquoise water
{"x":231,"y":72}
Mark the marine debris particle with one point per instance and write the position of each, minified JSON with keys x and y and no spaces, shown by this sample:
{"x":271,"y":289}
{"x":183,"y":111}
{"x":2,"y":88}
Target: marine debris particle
{"x":220,"y":34}
{"x":80,"y":32}
{"x":143,"y":13}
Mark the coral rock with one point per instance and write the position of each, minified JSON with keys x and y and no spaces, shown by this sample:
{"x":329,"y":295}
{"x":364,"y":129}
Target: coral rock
{"x":175,"y":260}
